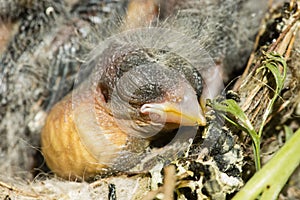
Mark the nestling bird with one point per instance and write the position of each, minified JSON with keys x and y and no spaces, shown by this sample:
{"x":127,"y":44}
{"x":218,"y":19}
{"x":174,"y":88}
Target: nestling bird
{"x":46,"y":41}
{"x":145,"y":85}
{"x":139,"y":96}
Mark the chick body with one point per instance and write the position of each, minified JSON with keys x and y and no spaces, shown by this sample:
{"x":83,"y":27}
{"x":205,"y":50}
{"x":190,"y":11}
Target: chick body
{"x":93,"y":129}
{"x":39,"y":63}
{"x":63,"y":144}
{"x":108,"y":136}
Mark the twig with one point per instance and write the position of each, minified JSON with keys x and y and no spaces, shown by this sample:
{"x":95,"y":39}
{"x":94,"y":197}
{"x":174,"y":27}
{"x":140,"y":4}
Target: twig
{"x":170,"y":182}
{"x":152,"y":194}
{"x":14,"y":189}
{"x":169,"y":185}
{"x":287,"y":36}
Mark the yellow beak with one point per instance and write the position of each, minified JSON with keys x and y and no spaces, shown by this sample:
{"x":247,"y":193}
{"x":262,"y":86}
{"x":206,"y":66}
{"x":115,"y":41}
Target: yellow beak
{"x":187,"y":112}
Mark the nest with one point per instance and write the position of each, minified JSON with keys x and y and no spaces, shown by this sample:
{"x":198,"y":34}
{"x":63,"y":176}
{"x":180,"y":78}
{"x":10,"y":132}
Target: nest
{"x":217,"y":170}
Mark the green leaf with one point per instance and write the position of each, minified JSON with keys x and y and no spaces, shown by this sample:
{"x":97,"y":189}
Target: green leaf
{"x":230,"y":106}
{"x":273,"y":63}
{"x":243,"y":123}
{"x":273,"y":176}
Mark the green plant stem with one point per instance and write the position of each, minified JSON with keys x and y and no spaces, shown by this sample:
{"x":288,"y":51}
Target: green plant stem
{"x":256,"y":147}
{"x":272,"y":177}
{"x":256,"y":151}
{"x":244,"y":124}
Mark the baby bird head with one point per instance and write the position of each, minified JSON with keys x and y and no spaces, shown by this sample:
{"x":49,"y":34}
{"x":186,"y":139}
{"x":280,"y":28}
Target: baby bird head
{"x":153,"y":80}
{"x":150,"y":90}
